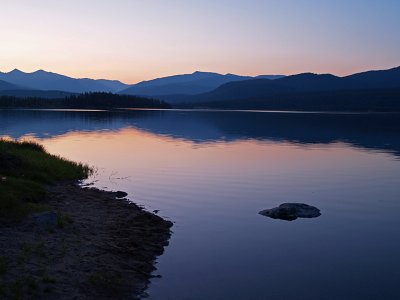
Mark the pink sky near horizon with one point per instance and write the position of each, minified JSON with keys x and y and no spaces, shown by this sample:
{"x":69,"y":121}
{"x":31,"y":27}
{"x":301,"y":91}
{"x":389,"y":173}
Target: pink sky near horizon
{"x":135,"y":40}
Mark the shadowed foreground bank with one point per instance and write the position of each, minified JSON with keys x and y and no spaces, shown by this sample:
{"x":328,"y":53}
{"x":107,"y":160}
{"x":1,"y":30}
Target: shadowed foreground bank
{"x":82,"y":244}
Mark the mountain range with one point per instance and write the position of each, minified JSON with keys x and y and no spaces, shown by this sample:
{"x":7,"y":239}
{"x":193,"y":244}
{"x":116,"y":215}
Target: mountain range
{"x":190,"y":84}
{"x":378,"y":90}
{"x":292,"y":87}
{"x":195,"y":83}
{"x":42,"y":80}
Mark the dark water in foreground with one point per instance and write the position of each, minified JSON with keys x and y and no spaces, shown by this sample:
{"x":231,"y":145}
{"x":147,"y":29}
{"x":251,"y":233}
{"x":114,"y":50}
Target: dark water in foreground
{"x":211,"y":172}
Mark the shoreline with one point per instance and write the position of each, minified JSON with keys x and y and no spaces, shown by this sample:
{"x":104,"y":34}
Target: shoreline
{"x":123,"y":109}
{"x":92,"y":245}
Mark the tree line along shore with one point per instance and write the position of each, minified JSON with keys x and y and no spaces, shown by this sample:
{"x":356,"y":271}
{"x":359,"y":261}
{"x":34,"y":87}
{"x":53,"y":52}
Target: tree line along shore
{"x":366,"y":100}
{"x":83,"y":101}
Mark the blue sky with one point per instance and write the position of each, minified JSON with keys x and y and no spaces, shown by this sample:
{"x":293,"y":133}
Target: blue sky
{"x":136,"y":40}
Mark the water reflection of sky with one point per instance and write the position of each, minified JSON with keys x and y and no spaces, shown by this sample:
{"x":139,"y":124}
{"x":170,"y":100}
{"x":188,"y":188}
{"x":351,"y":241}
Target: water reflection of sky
{"x":211,"y":173}
{"x":372,"y":131}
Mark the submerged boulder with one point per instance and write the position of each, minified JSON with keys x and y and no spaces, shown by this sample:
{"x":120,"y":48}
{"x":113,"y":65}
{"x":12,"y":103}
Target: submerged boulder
{"x":291,"y":211}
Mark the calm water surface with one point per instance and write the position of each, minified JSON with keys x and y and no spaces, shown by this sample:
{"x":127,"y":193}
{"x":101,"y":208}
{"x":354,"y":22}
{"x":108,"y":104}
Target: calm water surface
{"x":211,"y":172}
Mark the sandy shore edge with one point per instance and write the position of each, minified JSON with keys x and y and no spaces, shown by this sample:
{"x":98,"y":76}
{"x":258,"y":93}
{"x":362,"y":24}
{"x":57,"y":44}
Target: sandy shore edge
{"x":100,"y":247}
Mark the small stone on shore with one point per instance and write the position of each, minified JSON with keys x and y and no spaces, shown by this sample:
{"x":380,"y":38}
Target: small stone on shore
{"x":120,"y":194}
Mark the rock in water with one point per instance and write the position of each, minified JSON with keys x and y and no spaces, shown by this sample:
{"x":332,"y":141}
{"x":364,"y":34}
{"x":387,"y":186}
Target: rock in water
{"x":291,"y":211}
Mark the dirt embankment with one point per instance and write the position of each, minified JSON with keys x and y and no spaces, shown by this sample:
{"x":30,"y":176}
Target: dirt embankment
{"x":94,"y":246}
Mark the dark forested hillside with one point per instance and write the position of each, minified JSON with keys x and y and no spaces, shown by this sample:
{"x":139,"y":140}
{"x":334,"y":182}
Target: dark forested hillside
{"x":25,"y":93}
{"x":343,"y":100}
{"x":378,"y":79}
{"x":374,"y":90}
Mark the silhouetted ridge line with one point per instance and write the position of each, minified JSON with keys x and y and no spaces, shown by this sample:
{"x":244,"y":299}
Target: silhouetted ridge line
{"x":43,"y":80}
{"x":368,"y":91}
{"x":187,"y":84}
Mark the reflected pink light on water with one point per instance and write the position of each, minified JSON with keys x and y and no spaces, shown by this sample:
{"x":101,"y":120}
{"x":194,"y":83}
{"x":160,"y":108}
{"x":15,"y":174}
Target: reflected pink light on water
{"x":131,"y":151}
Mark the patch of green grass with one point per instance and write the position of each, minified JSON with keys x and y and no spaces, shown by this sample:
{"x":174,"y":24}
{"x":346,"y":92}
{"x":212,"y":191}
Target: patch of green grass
{"x":17,"y":289}
{"x":25,"y":254}
{"x":19,"y":197}
{"x":105,"y":280}
{"x":40,"y":250}
{"x":3,"y":266}
{"x":31,"y":284}
{"x":49,"y":280}
{"x":23,"y":287}
{"x":3,"y":290}
{"x":25,"y":168}
{"x":63,"y":220}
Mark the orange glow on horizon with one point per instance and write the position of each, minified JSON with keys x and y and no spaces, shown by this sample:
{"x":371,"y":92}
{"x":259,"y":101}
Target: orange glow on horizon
{"x":133,"y":41}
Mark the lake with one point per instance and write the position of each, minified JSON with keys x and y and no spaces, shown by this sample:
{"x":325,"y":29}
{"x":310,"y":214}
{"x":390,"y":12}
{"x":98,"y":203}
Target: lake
{"x":212,"y":172}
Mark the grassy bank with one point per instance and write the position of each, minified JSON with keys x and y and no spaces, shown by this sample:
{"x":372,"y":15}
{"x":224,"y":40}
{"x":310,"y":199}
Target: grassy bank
{"x":25,"y":169}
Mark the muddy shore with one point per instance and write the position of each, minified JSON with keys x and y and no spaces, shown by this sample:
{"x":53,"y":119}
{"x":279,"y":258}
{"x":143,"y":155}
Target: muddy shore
{"x":100,"y":247}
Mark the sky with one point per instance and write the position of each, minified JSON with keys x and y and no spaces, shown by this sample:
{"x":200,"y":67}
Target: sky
{"x":133,"y":40}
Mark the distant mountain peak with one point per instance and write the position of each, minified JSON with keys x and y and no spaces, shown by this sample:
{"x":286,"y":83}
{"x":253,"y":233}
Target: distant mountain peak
{"x":16,"y":71}
{"x":41,"y":71}
{"x":305,"y":74}
{"x":44,"y":80}
{"x":312,"y":75}
{"x":204,"y":73}
{"x":185,"y":84}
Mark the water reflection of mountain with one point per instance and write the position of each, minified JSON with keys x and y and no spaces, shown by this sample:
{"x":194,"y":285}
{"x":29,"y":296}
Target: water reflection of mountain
{"x":371,"y":131}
